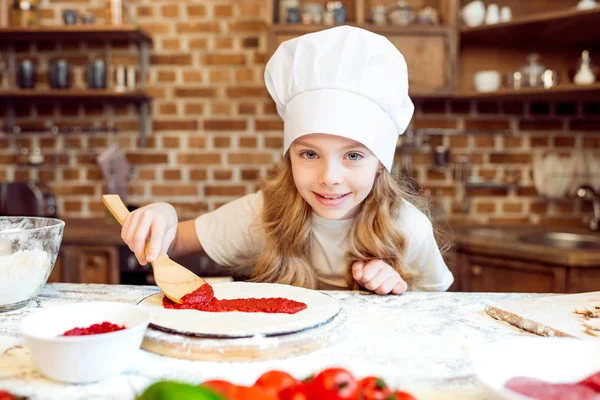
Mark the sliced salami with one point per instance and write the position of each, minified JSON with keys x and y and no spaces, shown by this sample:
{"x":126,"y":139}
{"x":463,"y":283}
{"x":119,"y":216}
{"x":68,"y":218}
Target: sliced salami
{"x":541,"y":390}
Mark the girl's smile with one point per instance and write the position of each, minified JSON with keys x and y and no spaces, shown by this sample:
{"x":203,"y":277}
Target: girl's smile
{"x":332,"y":173}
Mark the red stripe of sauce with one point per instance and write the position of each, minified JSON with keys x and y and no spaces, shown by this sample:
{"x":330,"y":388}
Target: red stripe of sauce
{"x":203,"y":299}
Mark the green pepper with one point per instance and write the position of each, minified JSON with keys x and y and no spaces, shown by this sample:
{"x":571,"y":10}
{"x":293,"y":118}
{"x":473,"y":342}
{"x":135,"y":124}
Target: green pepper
{"x":170,"y":390}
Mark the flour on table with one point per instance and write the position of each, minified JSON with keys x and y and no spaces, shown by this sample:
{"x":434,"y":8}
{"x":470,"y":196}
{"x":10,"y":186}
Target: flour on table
{"x":22,"y":274}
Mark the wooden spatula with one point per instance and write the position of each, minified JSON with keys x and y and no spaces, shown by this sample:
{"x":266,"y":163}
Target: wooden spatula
{"x":173,"y":279}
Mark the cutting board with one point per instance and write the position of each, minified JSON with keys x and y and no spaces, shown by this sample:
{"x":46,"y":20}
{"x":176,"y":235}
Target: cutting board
{"x":548,"y":315}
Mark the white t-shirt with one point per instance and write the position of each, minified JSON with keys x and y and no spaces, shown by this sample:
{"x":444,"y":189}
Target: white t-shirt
{"x":232,"y":236}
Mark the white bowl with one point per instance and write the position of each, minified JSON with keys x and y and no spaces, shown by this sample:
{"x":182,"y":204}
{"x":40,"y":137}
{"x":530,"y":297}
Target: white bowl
{"x":555,"y":360}
{"x":473,"y":14}
{"x":486,"y":81}
{"x":84,"y":359}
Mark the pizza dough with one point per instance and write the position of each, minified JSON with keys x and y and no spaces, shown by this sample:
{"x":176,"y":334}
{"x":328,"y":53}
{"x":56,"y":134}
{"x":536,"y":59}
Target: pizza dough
{"x":321,"y":308}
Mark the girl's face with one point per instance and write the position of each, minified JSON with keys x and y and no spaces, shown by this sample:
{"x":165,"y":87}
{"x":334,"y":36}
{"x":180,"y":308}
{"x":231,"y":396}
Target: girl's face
{"x":333,"y":174}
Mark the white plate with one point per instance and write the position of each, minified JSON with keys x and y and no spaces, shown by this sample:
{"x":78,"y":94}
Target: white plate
{"x":555,"y":360}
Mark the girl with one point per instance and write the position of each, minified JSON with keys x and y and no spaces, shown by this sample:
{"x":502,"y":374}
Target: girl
{"x":331,"y":214}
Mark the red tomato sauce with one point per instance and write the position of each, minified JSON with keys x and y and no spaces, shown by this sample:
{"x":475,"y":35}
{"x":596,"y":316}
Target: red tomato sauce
{"x":94,"y":329}
{"x":203,"y":299}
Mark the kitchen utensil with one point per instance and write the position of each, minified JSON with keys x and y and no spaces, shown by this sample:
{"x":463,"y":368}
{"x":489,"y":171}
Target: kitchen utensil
{"x":284,"y":5}
{"x":25,"y":13}
{"x":555,"y":360}
{"x":90,"y":358}
{"x":586,"y":4}
{"x":549,"y":315}
{"x":26,"y":74}
{"x":505,"y":14}
{"x":401,"y":14}
{"x":428,"y":16}
{"x":29,"y":249}
{"x":550,"y":78}
{"x":514,"y":80}
{"x":30,"y":199}
{"x":70,"y":16}
{"x":96,"y":74}
{"x":60,"y":74}
{"x":115,"y":11}
{"x":473,"y":14}
{"x":339,"y":12}
{"x":378,"y":15}
{"x":492,"y":15}
{"x":585,"y":75}
{"x":115,"y":169}
{"x":120,"y":78}
{"x":132,"y":77}
{"x":173,"y":279}
{"x":532,"y":71}
{"x":486,"y":81}
{"x":87,"y":18}
{"x":440,"y":156}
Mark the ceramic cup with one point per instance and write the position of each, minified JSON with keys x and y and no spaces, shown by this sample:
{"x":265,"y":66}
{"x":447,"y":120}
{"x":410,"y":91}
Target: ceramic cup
{"x":473,"y":14}
{"x":486,"y":81}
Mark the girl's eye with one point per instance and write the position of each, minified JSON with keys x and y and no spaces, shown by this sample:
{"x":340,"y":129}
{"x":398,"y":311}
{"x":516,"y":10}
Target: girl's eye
{"x":354,"y":156}
{"x":309,"y":154}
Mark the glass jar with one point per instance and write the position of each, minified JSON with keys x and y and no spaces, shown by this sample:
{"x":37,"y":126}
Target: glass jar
{"x":401,"y":14}
{"x":531,"y":73}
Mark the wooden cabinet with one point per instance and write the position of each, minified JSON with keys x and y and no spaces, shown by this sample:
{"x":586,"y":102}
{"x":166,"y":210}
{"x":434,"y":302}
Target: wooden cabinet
{"x":554,"y":29}
{"x":86,"y":264}
{"x":495,"y":274}
{"x":430,"y":51}
{"x":486,"y":273}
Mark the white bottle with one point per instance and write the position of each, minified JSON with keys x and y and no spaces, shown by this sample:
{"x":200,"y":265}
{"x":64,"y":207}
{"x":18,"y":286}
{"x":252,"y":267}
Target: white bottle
{"x":492,"y":15}
{"x":584,"y":75}
{"x":505,"y":14}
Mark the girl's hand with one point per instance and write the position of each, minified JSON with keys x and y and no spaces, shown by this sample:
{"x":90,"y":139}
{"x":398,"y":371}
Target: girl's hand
{"x":378,"y":277}
{"x":155,"y":223}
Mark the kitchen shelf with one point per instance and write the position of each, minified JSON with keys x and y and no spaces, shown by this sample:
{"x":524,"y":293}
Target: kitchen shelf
{"x":414,"y":29}
{"x":559,"y":92}
{"x":78,"y":94}
{"x":76,"y":32}
{"x":10,"y":37}
{"x":567,"y":28}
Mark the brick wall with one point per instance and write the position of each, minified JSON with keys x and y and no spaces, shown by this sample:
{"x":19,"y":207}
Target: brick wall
{"x":215,"y":131}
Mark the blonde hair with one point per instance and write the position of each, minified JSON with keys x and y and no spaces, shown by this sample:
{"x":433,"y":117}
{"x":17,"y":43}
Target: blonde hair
{"x":286,"y":221}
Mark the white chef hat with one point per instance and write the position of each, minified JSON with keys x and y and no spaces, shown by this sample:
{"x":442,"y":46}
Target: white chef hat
{"x":343,"y":81}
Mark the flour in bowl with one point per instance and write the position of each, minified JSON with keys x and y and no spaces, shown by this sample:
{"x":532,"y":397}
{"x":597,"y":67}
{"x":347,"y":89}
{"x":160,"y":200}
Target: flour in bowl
{"x":21,"y":275}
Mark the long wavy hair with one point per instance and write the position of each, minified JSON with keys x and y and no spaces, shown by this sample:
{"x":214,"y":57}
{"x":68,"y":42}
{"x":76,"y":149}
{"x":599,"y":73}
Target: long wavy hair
{"x":286,"y":221}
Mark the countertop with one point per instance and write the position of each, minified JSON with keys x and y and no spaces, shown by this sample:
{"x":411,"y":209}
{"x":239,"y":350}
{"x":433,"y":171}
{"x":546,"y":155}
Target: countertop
{"x":504,"y":241}
{"x":416,"y":341}
{"x":484,"y":239}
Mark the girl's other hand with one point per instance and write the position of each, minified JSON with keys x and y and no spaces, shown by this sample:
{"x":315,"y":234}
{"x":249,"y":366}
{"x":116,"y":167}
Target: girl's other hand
{"x":156,"y":224}
{"x":379,"y":277}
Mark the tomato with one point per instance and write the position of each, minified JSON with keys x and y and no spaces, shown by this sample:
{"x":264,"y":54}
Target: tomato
{"x":220,"y":386}
{"x":400,"y":395}
{"x":250,"y":393}
{"x":297,"y":391}
{"x":4,"y":395}
{"x":592,"y":381}
{"x":272,"y":382}
{"x":334,"y":384}
{"x":373,"y":388}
